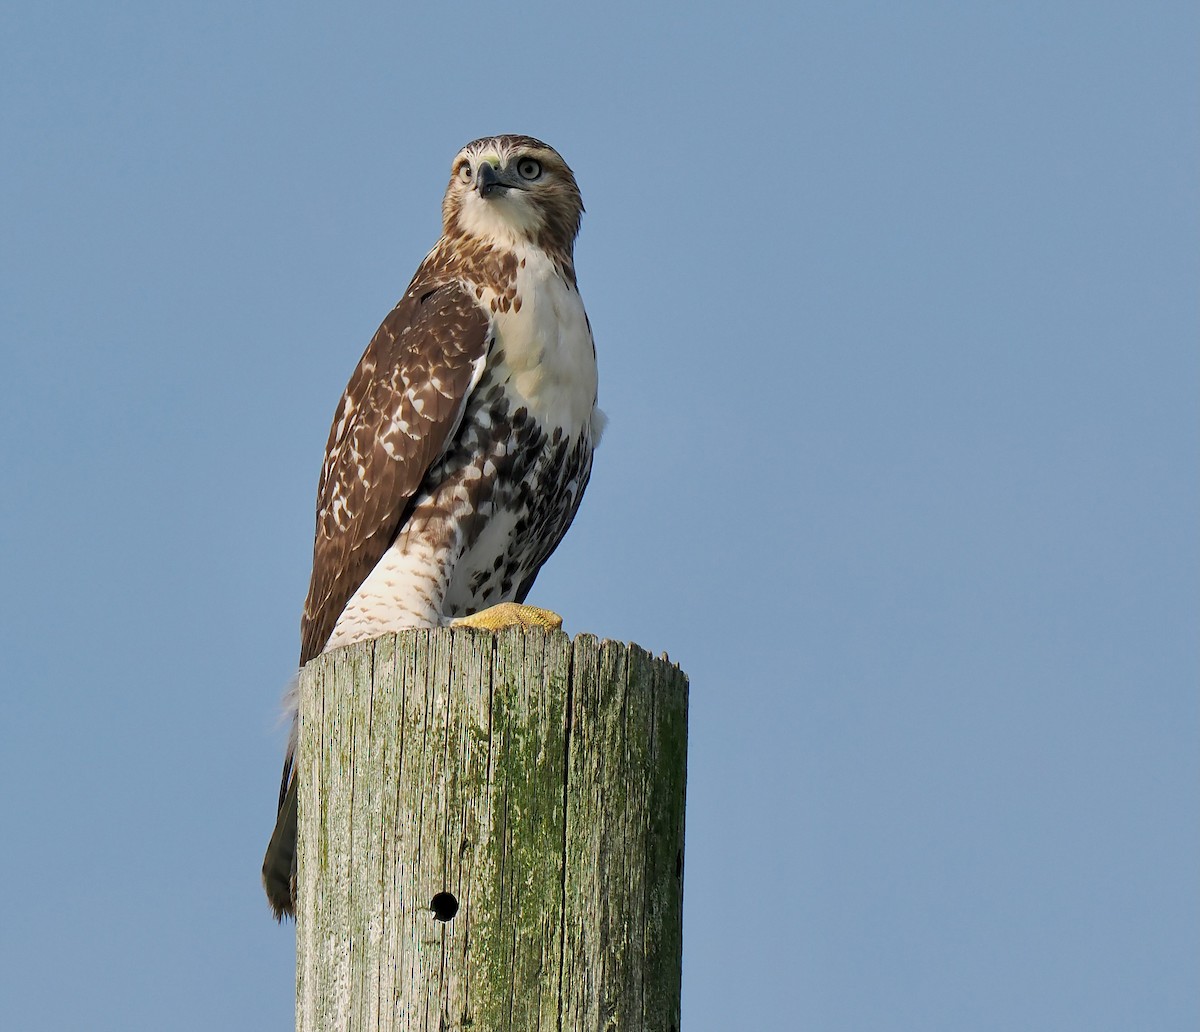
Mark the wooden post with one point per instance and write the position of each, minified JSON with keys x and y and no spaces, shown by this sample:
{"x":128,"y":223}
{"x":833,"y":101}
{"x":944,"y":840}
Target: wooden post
{"x":490,"y":835}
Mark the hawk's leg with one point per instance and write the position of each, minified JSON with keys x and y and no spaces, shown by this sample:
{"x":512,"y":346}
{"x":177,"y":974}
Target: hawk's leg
{"x":509,"y":614}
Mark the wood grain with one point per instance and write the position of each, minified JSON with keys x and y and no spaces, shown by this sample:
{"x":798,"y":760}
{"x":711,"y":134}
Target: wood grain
{"x":537,"y":780}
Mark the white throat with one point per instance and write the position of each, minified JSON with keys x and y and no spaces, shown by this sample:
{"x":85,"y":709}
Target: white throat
{"x":508,"y":220}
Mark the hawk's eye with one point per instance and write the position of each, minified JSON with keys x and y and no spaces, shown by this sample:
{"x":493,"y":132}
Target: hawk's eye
{"x":464,"y":171}
{"x":528,"y":168}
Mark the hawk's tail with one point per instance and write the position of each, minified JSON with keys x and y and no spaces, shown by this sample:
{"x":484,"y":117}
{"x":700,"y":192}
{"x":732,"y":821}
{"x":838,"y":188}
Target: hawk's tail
{"x":279,"y":865}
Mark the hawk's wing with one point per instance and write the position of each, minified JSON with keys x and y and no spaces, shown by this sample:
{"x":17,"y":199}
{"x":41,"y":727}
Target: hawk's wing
{"x":399,"y":411}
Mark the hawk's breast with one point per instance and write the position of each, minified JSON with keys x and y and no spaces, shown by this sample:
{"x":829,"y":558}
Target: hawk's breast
{"x":543,"y":352}
{"x":531,"y":427}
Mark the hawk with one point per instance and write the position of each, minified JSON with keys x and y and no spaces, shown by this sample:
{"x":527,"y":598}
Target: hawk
{"x":463,"y":442}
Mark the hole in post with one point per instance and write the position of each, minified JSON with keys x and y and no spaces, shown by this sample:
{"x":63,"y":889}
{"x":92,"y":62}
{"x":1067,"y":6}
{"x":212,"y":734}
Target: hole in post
{"x":444,"y":906}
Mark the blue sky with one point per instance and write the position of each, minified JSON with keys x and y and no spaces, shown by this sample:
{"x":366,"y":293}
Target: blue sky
{"x":896,"y":311}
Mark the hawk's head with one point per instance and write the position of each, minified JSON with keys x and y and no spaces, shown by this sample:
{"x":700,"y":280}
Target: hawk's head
{"x":511,"y":190}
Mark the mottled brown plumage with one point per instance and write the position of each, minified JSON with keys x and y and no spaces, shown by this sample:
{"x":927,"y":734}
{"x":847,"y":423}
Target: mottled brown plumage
{"x":463,"y":442}
{"x":436,"y":334}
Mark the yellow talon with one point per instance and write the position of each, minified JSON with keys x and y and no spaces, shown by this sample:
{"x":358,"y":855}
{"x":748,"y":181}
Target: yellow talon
{"x":509,"y":614}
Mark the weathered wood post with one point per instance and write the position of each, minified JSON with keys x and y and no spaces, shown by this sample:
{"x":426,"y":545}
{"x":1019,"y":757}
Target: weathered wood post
{"x":491,"y":835}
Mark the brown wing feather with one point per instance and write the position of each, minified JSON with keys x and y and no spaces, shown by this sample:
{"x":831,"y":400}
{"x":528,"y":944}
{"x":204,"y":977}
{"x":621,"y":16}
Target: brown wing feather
{"x":399,"y":410}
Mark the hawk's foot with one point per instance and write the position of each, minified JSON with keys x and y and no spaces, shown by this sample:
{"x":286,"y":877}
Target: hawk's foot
{"x":509,"y":614}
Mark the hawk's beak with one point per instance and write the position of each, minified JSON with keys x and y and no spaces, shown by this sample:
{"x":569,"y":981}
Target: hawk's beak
{"x":486,"y":180}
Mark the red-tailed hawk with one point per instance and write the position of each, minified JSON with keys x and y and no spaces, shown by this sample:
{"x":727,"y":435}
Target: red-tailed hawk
{"x":463,"y":442}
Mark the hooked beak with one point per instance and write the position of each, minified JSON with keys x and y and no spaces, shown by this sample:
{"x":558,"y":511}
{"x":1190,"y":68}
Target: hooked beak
{"x":486,"y":180}
{"x":491,"y":181}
